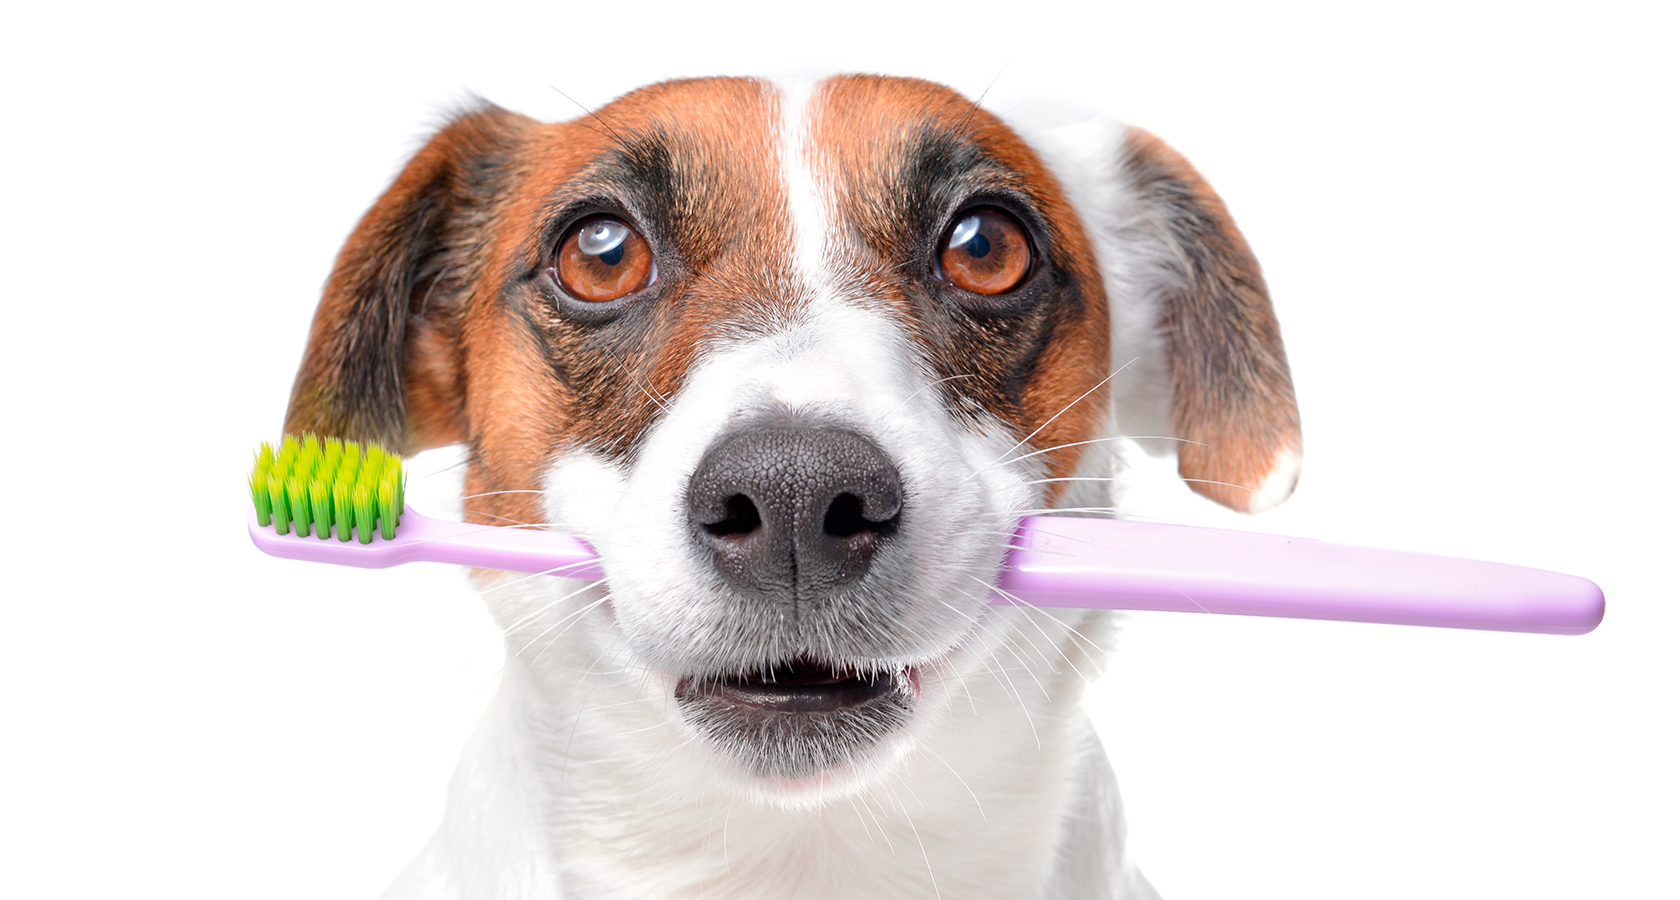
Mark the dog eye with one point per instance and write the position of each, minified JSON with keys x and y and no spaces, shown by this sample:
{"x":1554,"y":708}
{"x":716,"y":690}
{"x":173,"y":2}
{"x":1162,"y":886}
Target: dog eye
{"x":601,"y":259}
{"x":986,"y":251}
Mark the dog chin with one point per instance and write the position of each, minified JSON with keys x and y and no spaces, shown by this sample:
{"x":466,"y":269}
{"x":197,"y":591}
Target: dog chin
{"x":802,"y":731}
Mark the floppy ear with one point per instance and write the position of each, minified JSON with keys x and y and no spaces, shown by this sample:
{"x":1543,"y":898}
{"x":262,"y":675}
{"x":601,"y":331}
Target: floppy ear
{"x":383,"y":357}
{"x":1231,"y":399}
{"x":1196,"y":346}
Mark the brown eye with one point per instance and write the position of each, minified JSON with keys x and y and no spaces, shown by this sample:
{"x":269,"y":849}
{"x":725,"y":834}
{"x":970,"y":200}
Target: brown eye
{"x":601,"y":259}
{"x":986,"y":252}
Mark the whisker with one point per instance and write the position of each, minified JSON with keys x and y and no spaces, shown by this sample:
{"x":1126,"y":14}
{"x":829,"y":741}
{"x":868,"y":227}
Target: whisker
{"x":563,"y":625}
{"x":1001,"y":674}
{"x":1042,"y":633}
{"x":617,"y":138}
{"x":1053,"y":418}
{"x":583,"y":707}
{"x":975,"y":106}
{"x":914,"y":832}
{"x":927,"y":387}
{"x":527,"y":577}
{"x":856,"y":809}
{"x":1041,"y":654}
{"x":551,"y":604}
{"x":508,"y":658}
{"x":1114,"y":437}
{"x":1162,"y":437}
{"x":1222,"y":483}
{"x":1054,"y":510}
{"x":1101,"y":440}
{"x":494,"y":493}
{"x":511,"y":523}
{"x":878,"y":826}
{"x":726,"y":814}
{"x":426,"y":301}
{"x":922,"y":746}
{"x":451,"y":466}
{"x":1009,"y":647}
{"x":633,"y":377}
{"x":1018,"y":603}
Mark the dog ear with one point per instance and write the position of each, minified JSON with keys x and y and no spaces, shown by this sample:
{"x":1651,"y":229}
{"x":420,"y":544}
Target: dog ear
{"x":1195,"y":344}
{"x":382,"y":362}
{"x":1231,"y":401}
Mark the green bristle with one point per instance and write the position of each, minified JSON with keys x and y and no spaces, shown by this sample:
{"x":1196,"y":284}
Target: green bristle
{"x":259,"y":496}
{"x":368,"y":477}
{"x":342,"y":513}
{"x":310,"y":455}
{"x":331,"y":483}
{"x":387,"y":513}
{"x":297,"y":498}
{"x":286,"y":459}
{"x":345,"y":481}
{"x":331,"y":458}
{"x":374,"y":479}
{"x":348,"y":462}
{"x":320,"y":505}
{"x":362,"y":501}
{"x":277,"y":502}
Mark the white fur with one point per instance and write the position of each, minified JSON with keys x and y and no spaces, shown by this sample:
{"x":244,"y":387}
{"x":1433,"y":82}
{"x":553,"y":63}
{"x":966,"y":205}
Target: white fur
{"x":806,"y":204}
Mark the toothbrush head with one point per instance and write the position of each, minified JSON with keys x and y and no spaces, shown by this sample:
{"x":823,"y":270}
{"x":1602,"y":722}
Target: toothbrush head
{"x":333,"y":485}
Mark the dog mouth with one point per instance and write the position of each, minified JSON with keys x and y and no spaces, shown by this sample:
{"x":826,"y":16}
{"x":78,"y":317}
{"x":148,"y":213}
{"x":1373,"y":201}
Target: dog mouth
{"x":799,"y":718}
{"x":800,"y":687}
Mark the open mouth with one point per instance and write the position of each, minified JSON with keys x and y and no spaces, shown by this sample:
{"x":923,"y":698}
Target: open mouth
{"x":801,"y":717}
{"x":801,"y":687}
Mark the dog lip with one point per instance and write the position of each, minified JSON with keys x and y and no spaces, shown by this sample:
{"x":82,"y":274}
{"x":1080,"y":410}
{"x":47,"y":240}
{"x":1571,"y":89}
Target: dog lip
{"x":799,"y":687}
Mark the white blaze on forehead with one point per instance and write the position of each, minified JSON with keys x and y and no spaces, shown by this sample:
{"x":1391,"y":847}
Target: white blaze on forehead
{"x":809,"y":210}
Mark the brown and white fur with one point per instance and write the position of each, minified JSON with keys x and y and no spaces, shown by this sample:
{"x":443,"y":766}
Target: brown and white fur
{"x":795,"y":232}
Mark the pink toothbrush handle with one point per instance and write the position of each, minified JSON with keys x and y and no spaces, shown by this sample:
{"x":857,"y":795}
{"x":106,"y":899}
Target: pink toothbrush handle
{"x":425,"y":539}
{"x":1108,"y":564}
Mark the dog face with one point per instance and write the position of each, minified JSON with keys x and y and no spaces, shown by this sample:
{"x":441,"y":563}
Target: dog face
{"x":795,"y":361}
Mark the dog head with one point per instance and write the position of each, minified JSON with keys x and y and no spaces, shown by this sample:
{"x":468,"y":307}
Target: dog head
{"x":795,"y":361}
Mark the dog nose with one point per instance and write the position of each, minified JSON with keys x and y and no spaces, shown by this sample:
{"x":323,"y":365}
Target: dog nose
{"x":794,"y":513}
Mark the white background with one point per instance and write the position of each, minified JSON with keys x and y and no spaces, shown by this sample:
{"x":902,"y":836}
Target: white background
{"x":1466,"y":213}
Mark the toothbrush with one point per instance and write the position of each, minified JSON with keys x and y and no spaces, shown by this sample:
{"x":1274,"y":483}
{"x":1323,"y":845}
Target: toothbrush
{"x":1052,"y":562}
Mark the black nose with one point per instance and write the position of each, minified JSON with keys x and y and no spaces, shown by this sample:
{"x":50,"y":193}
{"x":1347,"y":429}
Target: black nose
{"x":794,"y":513}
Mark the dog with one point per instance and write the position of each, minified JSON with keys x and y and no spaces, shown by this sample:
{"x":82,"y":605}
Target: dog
{"x":795,"y":359}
